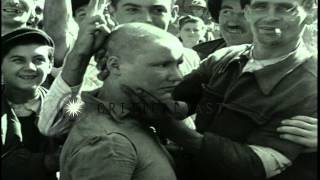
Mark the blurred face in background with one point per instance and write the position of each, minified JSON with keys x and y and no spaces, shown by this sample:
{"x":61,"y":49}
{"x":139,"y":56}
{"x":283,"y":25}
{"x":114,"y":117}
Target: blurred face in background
{"x":37,"y":15}
{"x":192,"y":33}
{"x":234,"y":28}
{"x":197,"y":11}
{"x":159,"y":13}
{"x":16,"y":12}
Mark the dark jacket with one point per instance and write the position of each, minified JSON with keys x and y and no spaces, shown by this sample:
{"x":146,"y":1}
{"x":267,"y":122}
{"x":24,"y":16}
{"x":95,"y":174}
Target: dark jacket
{"x":236,"y":109}
{"x":206,"y":48}
{"x":23,"y":148}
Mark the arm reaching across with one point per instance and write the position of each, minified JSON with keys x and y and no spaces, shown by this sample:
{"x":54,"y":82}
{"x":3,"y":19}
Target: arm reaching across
{"x":92,"y":34}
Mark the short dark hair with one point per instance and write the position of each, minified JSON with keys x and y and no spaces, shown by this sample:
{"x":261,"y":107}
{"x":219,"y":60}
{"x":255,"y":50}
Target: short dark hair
{"x":214,"y":7}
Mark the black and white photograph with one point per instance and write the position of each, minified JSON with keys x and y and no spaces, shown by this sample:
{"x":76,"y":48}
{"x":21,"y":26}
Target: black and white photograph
{"x":159,"y":89}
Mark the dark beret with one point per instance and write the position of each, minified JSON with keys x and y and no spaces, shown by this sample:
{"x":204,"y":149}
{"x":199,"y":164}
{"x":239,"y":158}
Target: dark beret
{"x":23,"y":36}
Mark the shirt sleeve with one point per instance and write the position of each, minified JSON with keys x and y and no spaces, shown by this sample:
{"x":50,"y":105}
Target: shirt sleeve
{"x":273,"y":161}
{"x":53,"y":120}
{"x":224,"y":156}
{"x":267,"y":135}
{"x":111,"y":157}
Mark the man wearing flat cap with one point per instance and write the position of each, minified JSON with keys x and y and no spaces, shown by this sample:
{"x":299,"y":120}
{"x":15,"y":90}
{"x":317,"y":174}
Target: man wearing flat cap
{"x":26,"y":60}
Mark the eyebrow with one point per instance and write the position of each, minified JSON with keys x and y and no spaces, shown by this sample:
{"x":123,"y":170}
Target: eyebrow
{"x":131,"y":5}
{"x":287,"y":4}
{"x":15,"y":56}
{"x":38,"y":56}
{"x":259,"y":3}
{"x":226,"y":7}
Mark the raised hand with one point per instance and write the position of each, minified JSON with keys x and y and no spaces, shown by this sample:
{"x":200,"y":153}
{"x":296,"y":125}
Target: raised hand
{"x":93,"y":29}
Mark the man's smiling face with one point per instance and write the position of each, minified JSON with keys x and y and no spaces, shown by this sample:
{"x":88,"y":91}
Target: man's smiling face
{"x":234,"y":28}
{"x":16,"y":11}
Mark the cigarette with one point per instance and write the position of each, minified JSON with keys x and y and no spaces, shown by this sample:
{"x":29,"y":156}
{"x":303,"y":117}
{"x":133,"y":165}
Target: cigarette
{"x":277,"y":30}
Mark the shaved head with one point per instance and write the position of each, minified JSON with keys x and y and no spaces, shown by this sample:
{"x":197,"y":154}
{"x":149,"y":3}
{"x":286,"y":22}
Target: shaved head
{"x":135,"y":38}
{"x":143,"y":56}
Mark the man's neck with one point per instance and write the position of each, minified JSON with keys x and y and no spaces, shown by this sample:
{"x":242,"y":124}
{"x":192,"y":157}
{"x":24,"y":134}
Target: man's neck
{"x":269,"y":52}
{"x":190,"y":44}
{"x":20,"y":96}
{"x":112,"y":94}
{"x":6,"y":28}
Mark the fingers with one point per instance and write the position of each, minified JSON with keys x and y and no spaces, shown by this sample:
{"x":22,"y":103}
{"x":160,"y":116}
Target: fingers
{"x":300,"y":140}
{"x":299,"y":124}
{"x":103,"y":75}
{"x":134,"y":96}
{"x":101,"y":6}
{"x":98,"y":56}
{"x":96,"y":7}
{"x":92,"y":7}
{"x":295,"y":131}
{"x":306,"y":119}
{"x":101,"y":62}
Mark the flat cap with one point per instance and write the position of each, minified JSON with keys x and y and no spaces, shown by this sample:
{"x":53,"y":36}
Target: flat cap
{"x":22,"y":36}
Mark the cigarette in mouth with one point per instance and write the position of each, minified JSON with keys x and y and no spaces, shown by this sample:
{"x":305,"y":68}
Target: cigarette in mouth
{"x":277,"y":30}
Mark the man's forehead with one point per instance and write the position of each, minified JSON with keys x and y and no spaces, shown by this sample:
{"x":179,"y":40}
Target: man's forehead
{"x":165,"y":3}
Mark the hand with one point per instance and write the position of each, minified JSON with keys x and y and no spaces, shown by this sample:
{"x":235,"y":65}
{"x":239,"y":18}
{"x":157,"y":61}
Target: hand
{"x":163,"y":116}
{"x":101,"y":59}
{"x":301,"y":130}
{"x":149,"y":108}
{"x":93,"y":29}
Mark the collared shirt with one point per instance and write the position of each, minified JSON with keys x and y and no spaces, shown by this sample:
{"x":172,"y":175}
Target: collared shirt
{"x":248,"y":107}
{"x":107,"y":144}
{"x":254,"y":64}
{"x":26,"y":109}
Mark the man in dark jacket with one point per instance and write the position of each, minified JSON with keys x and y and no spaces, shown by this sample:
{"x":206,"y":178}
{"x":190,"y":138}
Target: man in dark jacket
{"x":241,"y":99}
{"x":27,"y":57}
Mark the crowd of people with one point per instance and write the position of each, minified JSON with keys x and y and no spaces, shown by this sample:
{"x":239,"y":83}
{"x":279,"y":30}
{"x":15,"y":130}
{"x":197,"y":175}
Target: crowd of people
{"x":159,"y":89}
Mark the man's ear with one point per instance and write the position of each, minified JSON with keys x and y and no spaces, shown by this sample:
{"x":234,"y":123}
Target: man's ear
{"x":174,"y":13}
{"x":113,"y":65}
